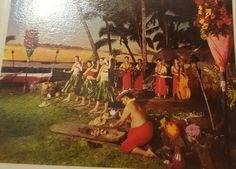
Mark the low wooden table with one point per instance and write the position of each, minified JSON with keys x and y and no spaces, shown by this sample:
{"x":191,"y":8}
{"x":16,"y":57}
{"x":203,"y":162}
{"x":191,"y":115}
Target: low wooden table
{"x":74,"y":129}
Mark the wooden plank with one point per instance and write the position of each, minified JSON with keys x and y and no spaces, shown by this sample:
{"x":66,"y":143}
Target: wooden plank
{"x":74,"y":129}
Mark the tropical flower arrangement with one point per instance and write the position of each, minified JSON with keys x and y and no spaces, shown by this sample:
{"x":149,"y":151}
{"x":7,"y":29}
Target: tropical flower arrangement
{"x":212,"y":18}
{"x":30,"y":42}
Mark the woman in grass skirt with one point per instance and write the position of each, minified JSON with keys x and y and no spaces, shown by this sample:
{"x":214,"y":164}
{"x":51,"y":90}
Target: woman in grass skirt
{"x":88,"y":86}
{"x":103,"y":92}
{"x":71,"y":84}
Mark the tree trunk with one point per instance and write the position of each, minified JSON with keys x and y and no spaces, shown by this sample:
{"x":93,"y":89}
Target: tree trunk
{"x":113,"y":61}
{"x":108,"y":35}
{"x":95,"y":53}
{"x":130,"y":52}
{"x":164,"y":22}
{"x":144,"y":43}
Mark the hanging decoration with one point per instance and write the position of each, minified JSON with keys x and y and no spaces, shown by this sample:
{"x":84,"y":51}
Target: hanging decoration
{"x":216,"y":27}
{"x":30,"y":42}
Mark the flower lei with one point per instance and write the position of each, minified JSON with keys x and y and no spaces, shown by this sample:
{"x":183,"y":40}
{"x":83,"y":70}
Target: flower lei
{"x":212,"y":18}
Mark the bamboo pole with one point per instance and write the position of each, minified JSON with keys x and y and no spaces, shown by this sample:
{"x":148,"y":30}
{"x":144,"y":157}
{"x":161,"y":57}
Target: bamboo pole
{"x":205,"y":98}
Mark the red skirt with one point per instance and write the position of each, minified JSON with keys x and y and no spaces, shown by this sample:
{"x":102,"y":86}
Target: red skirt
{"x":126,"y":81}
{"x":160,"y":87}
{"x":138,"y":85}
{"x":138,"y":136}
{"x":174,"y":85}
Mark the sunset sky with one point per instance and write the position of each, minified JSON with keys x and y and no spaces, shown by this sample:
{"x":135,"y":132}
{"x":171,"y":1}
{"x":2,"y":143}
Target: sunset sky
{"x":57,"y":22}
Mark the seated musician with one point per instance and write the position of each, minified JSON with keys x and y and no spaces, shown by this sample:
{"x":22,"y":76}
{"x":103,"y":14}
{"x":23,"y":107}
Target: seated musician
{"x":126,"y":67}
{"x":160,"y":85}
{"x":138,"y":83}
{"x":175,"y":73}
{"x":141,"y":131}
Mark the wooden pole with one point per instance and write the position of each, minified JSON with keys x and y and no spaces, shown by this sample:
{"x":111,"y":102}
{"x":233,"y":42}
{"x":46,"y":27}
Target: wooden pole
{"x":12,"y":55}
{"x":205,"y":98}
{"x":53,"y":65}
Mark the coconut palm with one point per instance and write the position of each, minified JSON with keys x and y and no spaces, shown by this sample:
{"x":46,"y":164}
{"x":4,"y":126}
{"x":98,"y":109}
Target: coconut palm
{"x":85,"y":25}
{"x":144,"y":43}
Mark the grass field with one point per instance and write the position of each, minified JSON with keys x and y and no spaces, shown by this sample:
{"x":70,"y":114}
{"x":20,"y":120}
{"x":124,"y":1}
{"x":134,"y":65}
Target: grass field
{"x":25,"y":137}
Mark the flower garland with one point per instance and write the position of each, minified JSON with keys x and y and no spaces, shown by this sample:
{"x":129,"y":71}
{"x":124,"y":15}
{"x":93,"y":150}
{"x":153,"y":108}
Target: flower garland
{"x":212,"y":18}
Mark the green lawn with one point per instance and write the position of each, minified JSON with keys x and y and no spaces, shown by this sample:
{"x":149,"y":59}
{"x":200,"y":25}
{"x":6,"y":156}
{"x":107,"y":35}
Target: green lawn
{"x":25,"y":137}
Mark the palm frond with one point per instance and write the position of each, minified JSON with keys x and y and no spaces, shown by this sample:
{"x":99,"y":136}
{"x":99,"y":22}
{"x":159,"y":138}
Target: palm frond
{"x":102,"y":42}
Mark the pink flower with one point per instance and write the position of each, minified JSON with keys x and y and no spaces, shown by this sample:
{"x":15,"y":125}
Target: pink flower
{"x":192,"y":130}
{"x":199,"y":2}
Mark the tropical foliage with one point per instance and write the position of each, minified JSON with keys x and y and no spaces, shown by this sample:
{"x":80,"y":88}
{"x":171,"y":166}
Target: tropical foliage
{"x":212,"y":18}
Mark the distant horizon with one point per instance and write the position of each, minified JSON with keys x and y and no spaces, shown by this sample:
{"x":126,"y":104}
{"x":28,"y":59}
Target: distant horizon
{"x":57,"y":23}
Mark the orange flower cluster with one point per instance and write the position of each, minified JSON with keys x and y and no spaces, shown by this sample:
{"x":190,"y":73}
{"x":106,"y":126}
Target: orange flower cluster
{"x":172,"y":130}
{"x":212,"y":18}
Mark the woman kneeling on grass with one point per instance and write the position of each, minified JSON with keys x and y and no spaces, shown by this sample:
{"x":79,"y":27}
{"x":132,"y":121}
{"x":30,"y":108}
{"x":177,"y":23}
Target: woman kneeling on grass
{"x":141,"y":130}
{"x":103,"y":91}
{"x":71,"y":84}
{"x":88,"y":88}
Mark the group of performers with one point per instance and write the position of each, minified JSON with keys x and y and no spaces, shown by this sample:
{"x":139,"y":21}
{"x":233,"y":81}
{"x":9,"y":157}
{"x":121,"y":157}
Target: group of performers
{"x":129,"y":74}
{"x":87,"y":86}
{"x":179,"y":80}
{"x":178,"y":76}
{"x":98,"y":88}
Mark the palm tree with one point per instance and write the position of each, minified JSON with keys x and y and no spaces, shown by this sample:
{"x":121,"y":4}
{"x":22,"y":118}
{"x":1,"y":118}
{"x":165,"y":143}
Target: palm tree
{"x":83,"y":20}
{"x":118,"y":29}
{"x":144,"y":42}
{"x":108,"y":34}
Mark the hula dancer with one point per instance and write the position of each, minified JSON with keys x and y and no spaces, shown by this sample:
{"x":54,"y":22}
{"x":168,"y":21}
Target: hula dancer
{"x":103,"y":91}
{"x":71,"y":84}
{"x":87,"y":88}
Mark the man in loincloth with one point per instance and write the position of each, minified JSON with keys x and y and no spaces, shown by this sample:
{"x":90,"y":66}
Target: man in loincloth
{"x":141,"y":130}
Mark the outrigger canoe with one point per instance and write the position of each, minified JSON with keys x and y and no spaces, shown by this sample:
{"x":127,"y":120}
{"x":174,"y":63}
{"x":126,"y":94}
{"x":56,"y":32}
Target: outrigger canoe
{"x":25,"y":78}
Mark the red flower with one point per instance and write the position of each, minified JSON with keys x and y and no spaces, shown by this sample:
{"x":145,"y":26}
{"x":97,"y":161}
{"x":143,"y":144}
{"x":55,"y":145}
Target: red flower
{"x":213,"y":16}
{"x":199,"y":2}
{"x":220,"y":23}
{"x":222,"y":10}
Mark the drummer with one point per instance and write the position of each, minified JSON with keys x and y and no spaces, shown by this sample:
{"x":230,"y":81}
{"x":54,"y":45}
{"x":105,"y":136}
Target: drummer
{"x":160,"y":73}
{"x":141,"y":131}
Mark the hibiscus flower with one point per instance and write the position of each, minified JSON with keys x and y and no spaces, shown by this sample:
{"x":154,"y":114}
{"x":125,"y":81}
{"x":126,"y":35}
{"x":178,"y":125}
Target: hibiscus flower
{"x":199,"y":2}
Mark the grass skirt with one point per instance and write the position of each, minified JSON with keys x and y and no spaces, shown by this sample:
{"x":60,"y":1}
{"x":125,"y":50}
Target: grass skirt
{"x":103,"y":92}
{"x":70,"y":84}
{"x":87,"y":88}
